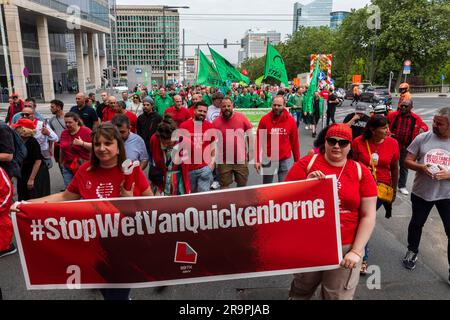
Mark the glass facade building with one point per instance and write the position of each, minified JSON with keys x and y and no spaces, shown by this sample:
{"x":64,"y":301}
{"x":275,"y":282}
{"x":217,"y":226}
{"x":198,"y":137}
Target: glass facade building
{"x":314,"y":14}
{"x":337,"y":17}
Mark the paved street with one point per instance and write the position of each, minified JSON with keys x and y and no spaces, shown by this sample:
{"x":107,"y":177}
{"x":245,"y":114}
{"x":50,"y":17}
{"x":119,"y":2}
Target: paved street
{"x":387,"y":247}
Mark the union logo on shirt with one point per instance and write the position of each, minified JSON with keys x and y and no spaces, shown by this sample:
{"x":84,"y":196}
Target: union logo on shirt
{"x":438,"y":157}
{"x":104,"y":190}
{"x":279,"y":131}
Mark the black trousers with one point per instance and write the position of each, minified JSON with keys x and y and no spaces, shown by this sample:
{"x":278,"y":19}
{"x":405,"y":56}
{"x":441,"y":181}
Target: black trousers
{"x":403,"y":176}
{"x":420,"y":211}
{"x":331,"y":110}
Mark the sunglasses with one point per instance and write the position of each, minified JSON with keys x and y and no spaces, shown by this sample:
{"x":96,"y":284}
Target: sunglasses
{"x":342,"y":143}
{"x":26,"y":114}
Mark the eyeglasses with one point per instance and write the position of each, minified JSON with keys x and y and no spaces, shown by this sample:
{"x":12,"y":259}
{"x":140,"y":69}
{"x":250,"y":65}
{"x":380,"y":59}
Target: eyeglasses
{"x":26,"y":114}
{"x":342,"y":143}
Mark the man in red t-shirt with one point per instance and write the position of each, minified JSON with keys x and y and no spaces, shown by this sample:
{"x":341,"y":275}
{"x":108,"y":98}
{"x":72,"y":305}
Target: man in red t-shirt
{"x":177,"y":111}
{"x":201,"y":155}
{"x":235,"y":133}
{"x":110,"y":111}
{"x":122,"y":109}
{"x":278,"y":125}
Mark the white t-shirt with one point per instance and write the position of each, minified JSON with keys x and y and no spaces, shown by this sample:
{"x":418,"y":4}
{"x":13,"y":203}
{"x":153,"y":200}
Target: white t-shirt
{"x":430,"y":149}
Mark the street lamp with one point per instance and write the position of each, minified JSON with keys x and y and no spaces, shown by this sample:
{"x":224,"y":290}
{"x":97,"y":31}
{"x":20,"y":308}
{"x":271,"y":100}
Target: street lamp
{"x":164,"y":8}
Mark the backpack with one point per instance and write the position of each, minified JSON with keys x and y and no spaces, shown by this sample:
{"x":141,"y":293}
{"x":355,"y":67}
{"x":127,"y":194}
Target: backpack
{"x":20,"y":153}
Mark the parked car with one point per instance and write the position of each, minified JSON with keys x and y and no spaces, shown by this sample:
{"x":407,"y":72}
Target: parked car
{"x":375,"y":94}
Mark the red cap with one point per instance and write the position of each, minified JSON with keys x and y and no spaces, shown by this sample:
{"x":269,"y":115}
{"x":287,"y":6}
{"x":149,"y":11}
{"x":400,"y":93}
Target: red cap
{"x":340,"y":130}
{"x":26,"y":123}
{"x":14,"y":95}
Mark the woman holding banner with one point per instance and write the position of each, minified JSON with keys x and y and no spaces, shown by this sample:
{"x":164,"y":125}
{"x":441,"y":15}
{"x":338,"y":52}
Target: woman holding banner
{"x":357,"y":193}
{"x":101,"y":178}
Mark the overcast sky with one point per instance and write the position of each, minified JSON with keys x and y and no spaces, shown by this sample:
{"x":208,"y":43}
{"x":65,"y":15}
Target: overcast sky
{"x":208,"y":29}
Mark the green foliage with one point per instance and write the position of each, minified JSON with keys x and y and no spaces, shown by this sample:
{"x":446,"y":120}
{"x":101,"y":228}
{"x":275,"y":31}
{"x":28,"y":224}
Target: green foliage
{"x":417,"y":30}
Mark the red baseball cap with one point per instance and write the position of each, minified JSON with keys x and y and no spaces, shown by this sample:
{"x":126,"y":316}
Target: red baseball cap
{"x":26,"y":123}
{"x":340,"y":130}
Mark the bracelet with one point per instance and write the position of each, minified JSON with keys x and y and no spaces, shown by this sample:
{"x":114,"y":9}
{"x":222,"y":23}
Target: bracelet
{"x":354,"y":251}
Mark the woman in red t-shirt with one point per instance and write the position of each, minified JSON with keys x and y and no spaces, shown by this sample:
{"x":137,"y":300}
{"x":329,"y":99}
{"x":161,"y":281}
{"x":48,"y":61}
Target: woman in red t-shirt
{"x":357,"y":193}
{"x":380,"y":153}
{"x":102,"y":177}
{"x":75,"y":145}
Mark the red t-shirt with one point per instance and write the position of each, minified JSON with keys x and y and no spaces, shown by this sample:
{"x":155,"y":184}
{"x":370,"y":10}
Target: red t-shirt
{"x":350,"y":189}
{"x":104,"y":183}
{"x":179,"y":116}
{"x":108,"y":114}
{"x":388,"y":152}
{"x":70,"y":151}
{"x":197,"y":158}
{"x":325,"y":94}
{"x":235,"y":129}
{"x":133,"y":120}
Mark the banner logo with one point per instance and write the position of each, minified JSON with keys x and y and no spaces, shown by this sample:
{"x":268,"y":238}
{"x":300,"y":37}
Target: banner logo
{"x":184,"y":253}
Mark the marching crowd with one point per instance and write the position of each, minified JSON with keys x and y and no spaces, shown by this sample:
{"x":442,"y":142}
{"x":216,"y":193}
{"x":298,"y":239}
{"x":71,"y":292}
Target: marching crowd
{"x":165,"y":129}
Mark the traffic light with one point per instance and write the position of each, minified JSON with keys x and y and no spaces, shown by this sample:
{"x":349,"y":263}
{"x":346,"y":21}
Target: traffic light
{"x":106,"y":73}
{"x":242,"y":43}
{"x":225,"y":43}
{"x":114,"y":73}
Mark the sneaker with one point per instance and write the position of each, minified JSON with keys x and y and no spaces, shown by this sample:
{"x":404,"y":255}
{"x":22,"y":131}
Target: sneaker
{"x":12,"y":249}
{"x":403,"y":191}
{"x":306,"y":127}
{"x":410,"y":259}
{"x":215,"y":185}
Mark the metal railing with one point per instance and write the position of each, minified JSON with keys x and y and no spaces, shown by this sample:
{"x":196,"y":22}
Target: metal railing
{"x":430,"y":89}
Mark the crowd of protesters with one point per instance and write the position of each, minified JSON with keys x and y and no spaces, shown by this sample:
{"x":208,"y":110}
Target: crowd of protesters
{"x":166,"y":128}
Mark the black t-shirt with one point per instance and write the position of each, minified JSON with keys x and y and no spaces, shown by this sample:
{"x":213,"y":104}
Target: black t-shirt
{"x":87,"y":114}
{"x":359,"y":125}
{"x":33,"y":154}
{"x":332,"y":97}
{"x":6,"y":146}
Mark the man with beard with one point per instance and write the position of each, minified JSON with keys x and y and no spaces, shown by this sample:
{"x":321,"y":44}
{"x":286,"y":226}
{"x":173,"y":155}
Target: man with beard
{"x":429,"y":156}
{"x":201,"y":150}
{"x":405,"y":125}
{"x":235,"y":130}
{"x":279,"y":126}
{"x":147,"y":122}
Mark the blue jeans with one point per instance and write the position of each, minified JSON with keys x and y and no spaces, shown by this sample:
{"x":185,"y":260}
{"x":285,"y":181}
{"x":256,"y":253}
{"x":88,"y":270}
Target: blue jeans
{"x":67,"y":176}
{"x":201,"y":179}
{"x":298,"y":114}
{"x":280,"y":167}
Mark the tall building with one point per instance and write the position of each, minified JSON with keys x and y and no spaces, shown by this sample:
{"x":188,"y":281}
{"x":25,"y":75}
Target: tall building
{"x":35,"y":39}
{"x":336,"y":18}
{"x":140,"y":32}
{"x":255,"y":43}
{"x":314,"y":14}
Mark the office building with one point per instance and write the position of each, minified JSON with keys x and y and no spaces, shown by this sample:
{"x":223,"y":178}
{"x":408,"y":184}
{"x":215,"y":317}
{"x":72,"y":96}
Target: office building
{"x":140,"y":32}
{"x":255,"y":43}
{"x":314,"y":14}
{"x":337,"y":17}
{"x":35,"y":33}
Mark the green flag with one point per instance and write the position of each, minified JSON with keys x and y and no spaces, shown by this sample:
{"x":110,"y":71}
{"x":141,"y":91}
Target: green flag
{"x":313,"y":87}
{"x":207,"y":73}
{"x":226,"y":70}
{"x":274,"y":66}
{"x":259,"y":80}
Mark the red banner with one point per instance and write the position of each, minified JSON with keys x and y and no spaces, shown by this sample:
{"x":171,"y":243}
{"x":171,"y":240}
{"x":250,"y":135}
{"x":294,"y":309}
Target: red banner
{"x":255,"y":231}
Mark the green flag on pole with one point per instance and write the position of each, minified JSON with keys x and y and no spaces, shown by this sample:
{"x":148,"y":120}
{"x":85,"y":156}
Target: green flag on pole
{"x":274,"y":66}
{"x":313,"y":87}
{"x":207,"y":73}
{"x":259,"y":80}
{"x":226,"y":70}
